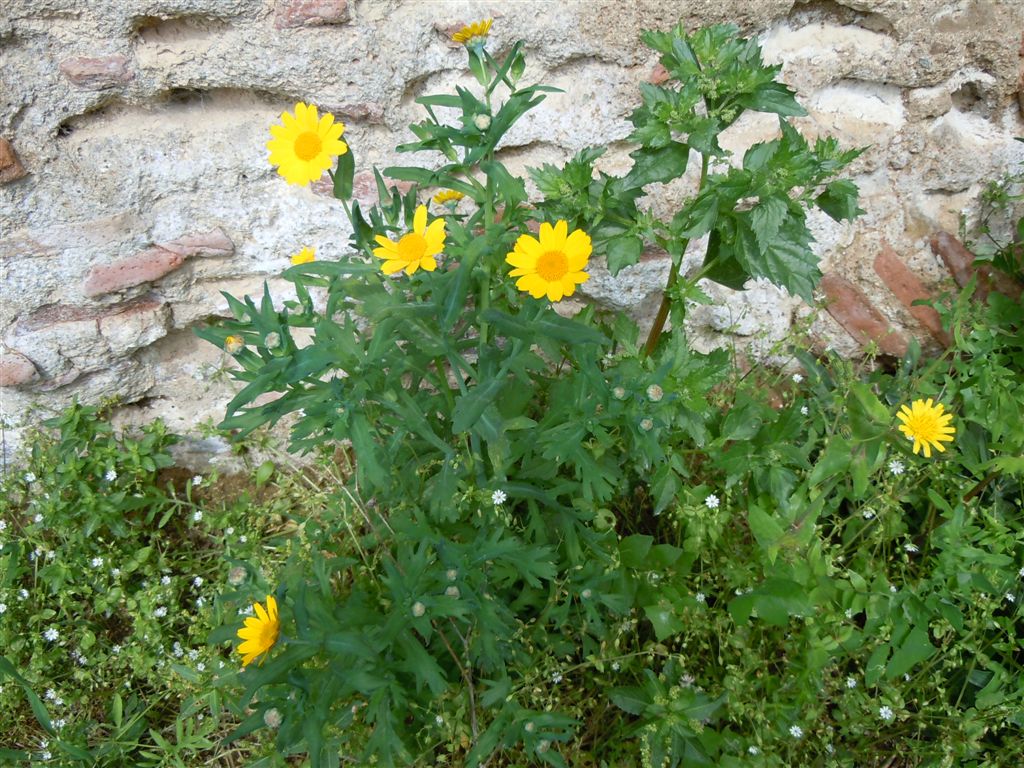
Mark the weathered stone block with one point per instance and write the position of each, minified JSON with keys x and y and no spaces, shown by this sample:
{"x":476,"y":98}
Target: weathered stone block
{"x":16,"y":370}
{"x":97,"y":73}
{"x":855,"y":312}
{"x":144,"y":267}
{"x":310,"y":13}
{"x":10,"y":166}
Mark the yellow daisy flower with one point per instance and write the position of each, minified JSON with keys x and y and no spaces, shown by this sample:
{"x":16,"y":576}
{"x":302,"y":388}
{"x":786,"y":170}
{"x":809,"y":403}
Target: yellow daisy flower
{"x":552,"y":265}
{"x":415,"y":250}
{"x":234,"y":344}
{"x":927,"y":425}
{"x":305,"y":144}
{"x":304,"y":256}
{"x":473,"y":34}
{"x":260,"y":631}
{"x":448,"y":196}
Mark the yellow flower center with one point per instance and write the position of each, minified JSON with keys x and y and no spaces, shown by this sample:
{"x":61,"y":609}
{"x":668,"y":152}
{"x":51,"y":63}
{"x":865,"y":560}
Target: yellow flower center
{"x":552,"y":265}
{"x":412,"y":247}
{"x":307,"y":145}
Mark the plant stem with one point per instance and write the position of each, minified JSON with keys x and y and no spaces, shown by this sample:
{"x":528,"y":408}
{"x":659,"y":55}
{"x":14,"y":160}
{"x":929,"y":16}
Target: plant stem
{"x":673,"y":276}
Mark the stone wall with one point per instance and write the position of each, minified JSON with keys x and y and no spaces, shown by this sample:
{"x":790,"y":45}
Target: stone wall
{"x":134,"y":186}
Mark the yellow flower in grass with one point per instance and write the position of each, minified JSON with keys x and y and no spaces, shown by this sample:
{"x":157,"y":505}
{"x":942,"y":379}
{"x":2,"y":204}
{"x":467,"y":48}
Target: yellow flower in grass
{"x":260,"y":631}
{"x":304,"y":256}
{"x":553,"y":265}
{"x":305,"y":144}
{"x":927,"y":425}
{"x":448,"y":196}
{"x":473,"y":34}
{"x":415,"y":250}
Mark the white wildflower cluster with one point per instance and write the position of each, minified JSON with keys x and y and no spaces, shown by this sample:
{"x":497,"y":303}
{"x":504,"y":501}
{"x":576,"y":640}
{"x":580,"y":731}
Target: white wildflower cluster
{"x":886,"y":713}
{"x":160,"y":612}
{"x":896,"y":467}
{"x":796,"y":731}
{"x":712,"y":501}
{"x":111,"y":476}
{"x":51,"y":634}
{"x":498,"y":498}
{"x":96,"y":562}
{"x":197,"y":481}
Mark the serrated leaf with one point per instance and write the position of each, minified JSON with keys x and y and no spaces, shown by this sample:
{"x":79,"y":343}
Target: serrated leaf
{"x":633,"y":700}
{"x":633,"y":550}
{"x":766,"y":217}
{"x":623,"y":251}
{"x":839,"y":200}
{"x":657,"y":165}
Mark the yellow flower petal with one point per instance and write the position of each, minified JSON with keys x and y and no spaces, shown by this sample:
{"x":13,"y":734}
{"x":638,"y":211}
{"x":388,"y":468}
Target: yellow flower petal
{"x":551,"y":265}
{"x":305,"y":144}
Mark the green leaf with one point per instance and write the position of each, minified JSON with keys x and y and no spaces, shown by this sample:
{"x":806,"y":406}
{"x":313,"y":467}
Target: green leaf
{"x":766,"y":218}
{"x":766,"y":530}
{"x":773,"y":97}
{"x":469,"y":407}
{"x":664,"y":620}
{"x":834,"y":460}
{"x":623,"y":251}
{"x":657,"y":165}
{"x":839,"y":200}
{"x":633,"y":550}
{"x":633,"y":700}
{"x":266,"y":469}
{"x":876,"y":664}
{"x":344,"y":173}
{"x":914,"y":649}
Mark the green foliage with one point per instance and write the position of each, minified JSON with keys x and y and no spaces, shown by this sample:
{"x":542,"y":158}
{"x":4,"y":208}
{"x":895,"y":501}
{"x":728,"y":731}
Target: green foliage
{"x":109,"y":583}
{"x":554,"y":544}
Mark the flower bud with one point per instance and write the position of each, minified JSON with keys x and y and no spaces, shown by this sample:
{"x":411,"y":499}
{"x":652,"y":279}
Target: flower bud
{"x":452,"y":574}
{"x":646,"y":425}
{"x":272,"y":340}
{"x":482,"y":121}
{"x":234,"y":344}
{"x":452,"y":591}
{"x":619,"y":393}
{"x":236,"y":575}
{"x":655,"y":393}
{"x":418,"y":609}
{"x":272,"y":718}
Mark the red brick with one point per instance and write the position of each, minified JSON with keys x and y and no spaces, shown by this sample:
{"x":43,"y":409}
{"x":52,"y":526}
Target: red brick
{"x":10,"y":166}
{"x":960,"y":263}
{"x":144,"y":267}
{"x":97,"y":73}
{"x":906,"y":286}
{"x":852,"y":310}
{"x":16,"y":370}
{"x":212,"y":243}
{"x":310,"y":13}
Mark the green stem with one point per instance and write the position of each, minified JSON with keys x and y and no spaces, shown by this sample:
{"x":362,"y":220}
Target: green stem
{"x":673,"y":276}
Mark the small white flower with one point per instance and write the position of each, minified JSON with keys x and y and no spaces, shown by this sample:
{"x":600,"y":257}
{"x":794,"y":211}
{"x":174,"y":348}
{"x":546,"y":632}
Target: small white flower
{"x":193,"y":654}
{"x":3,"y":608}
{"x":111,"y":476}
{"x":586,"y":594}
{"x":3,"y":526}
{"x":229,"y":530}
{"x":796,"y":731}
{"x":896,"y":467}
{"x":712,"y":501}
{"x":498,"y":498}
{"x":849,"y":613}
{"x":60,"y":723}
{"x":51,"y":634}
{"x":197,"y":515}
{"x":23,"y":594}
{"x":700,"y":597}
{"x":797,"y":378}
{"x":115,"y":572}
{"x":51,"y":694}
{"x":115,"y":649}
{"x":867,"y":513}
{"x":893,"y":589}
{"x":50,"y":554}
{"x":96,"y":562}
{"x":29,"y":477}
{"x":200,"y":601}
{"x":439,"y":720}
{"x":1021,"y":573}
{"x":753,"y":750}
{"x":197,"y":480}
{"x":82,"y":660}
{"x":911,"y":548}
{"x":165,"y":580}
{"x":178,"y":651}
{"x":45,"y":754}
{"x":200,"y":667}
{"x":616,"y":666}
{"x":906,"y":677}
{"x":830,"y":749}
{"x":851,"y":683}
{"x":243,"y":539}
{"x":197,"y":581}
{"x":160,"y":612}
{"x":885,"y":713}
{"x":1011,"y":597}
{"x":556,"y":678}
{"x":38,"y":518}
{"x":803,"y":412}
